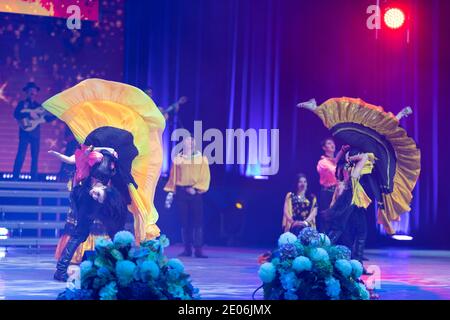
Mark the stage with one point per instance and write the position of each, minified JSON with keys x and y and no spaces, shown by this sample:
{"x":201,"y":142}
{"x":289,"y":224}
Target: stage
{"x":231,"y":273}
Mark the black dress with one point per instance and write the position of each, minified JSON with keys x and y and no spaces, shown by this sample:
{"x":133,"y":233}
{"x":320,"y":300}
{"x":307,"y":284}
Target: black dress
{"x":299,"y":208}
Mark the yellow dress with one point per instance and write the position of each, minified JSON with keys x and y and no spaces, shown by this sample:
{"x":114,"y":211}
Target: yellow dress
{"x":96,"y":103}
{"x":337,"y":111}
{"x":359,"y":195}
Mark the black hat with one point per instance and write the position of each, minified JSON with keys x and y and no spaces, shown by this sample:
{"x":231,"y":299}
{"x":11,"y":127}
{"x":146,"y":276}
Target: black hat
{"x":30,"y":85}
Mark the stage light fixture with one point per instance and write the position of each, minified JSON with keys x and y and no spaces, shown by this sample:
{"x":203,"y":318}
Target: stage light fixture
{"x":4,"y":233}
{"x":239,"y":205}
{"x":402,"y":237}
{"x":394,"y":18}
{"x":261,"y":177}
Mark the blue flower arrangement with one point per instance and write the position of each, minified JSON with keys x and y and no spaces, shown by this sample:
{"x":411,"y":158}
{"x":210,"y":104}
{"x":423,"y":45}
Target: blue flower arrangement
{"x":309,"y":267}
{"x":120,"y":270}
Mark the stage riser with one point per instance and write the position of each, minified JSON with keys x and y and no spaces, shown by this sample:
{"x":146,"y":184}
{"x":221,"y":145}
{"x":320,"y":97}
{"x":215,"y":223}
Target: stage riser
{"x":17,"y":185}
{"x":34,"y":194}
{"x":39,"y":195}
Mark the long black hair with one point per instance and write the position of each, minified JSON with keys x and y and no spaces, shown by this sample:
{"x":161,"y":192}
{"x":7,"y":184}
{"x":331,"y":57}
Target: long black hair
{"x":113,"y":212}
{"x":110,"y":170}
{"x":343,"y":164}
{"x":298,"y":176}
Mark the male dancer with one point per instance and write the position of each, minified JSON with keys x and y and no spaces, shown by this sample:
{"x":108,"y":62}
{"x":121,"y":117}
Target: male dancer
{"x":326,"y":167}
{"x":189,"y":179}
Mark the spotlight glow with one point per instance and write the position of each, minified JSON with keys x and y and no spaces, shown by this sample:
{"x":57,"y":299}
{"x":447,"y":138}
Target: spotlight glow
{"x":4,"y":233}
{"x":394,"y":18}
{"x":239,"y":205}
{"x":260,"y":177}
{"x":402,"y":237}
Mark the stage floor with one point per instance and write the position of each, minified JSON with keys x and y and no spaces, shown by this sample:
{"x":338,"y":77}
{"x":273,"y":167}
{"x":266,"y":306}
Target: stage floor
{"x":231,"y":273}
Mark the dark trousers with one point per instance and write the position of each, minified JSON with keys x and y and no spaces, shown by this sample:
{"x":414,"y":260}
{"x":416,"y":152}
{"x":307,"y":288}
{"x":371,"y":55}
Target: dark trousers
{"x":190,"y":208}
{"x":25,"y":139}
{"x":86,"y":210}
{"x":356,"y":227}
{"x":324,"y":201}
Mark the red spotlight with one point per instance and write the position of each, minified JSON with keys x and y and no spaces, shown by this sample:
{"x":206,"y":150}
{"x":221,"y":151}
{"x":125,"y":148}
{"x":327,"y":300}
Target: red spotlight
{"x":394,"y":18}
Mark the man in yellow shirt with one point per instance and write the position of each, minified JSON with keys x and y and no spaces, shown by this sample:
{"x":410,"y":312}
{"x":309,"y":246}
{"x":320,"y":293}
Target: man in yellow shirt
{"x":189,"y":179}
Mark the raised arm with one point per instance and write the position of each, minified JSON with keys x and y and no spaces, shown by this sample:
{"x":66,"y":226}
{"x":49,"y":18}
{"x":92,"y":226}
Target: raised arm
{"x":342,"y":152}
{"x":62,"y":157}
{"x":360,"y":160}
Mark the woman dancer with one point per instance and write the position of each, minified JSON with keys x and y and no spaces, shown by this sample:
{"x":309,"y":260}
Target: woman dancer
{"x":96,"y":228}
{"x":350,"y":202}
{"x":125,"y":123}
{"x":370,"y":129}
{"x":300,"y":209}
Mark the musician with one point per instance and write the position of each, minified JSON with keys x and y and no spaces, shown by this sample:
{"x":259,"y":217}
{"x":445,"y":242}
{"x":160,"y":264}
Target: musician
{"x":174,"y":107}
{"x":30,"y":115}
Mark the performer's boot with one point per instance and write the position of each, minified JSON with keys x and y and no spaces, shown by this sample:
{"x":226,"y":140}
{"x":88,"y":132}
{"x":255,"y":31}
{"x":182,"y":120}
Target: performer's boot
{"x":404,"y":113}
{"x":64,"y":260}
{"x":198,"y":243}
{"x":334,"y":236}
{"x":358,"y":254}
{"x":186,"y":236}
{"x":310,"y":105}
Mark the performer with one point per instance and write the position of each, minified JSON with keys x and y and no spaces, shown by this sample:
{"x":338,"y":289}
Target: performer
{"x":126,"y":126}
{"x":95,"y":228}
{"x":326,"y":167}
{"x":300,"y":209}
{"x":190,"y":179}
{"x":29,"y":115}
{"x":370,"y":129}
{"x":173,"y":108}
{"x":350,"y":202}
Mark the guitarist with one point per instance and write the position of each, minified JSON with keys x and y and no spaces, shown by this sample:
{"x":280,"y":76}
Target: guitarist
{"x":173,"y":108}
{"x":29,"y":115}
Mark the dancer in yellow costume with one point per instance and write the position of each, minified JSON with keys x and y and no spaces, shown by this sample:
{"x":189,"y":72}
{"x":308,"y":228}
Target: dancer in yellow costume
{"x":369,"y":129}
{"x":114,"y":116}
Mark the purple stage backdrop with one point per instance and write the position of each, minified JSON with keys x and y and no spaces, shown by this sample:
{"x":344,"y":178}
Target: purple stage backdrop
{"x":245,"y":64}
{"x":44,"y":50}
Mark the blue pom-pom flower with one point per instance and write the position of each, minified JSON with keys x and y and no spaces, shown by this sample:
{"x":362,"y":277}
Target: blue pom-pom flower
{"x":123,"y":239}
{"x":267,"y":272}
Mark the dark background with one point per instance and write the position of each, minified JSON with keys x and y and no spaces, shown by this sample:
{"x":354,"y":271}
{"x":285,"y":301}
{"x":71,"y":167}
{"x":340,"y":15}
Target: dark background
{"x":245,"y":64}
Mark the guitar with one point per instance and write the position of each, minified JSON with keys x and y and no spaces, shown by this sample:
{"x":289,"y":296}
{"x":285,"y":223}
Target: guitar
{"x":174,"y":107}
{"x":37,"y":117}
